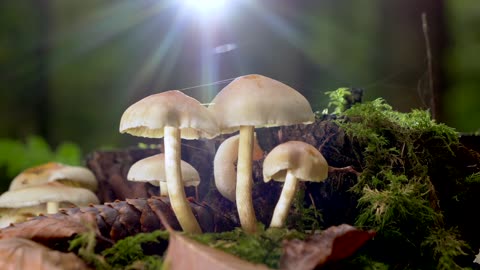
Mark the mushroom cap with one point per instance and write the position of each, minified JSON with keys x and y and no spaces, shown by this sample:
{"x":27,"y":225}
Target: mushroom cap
{"x":52,"y":171}
{"x":48,"y":192}
{"x":148,"y":116}
{"x":16,"y":215}
{"x":152,"y":170}
{"x":224,"y":170}
{"x":303,"y":160}
{"x":256,"y":100}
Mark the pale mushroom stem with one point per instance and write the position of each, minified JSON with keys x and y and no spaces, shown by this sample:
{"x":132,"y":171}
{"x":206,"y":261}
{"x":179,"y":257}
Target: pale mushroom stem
{"x":163,"y":189}
{"x":243,"y":195}
{"x":285,"y":201}
{"x":52,"y":207}
{"x":173,"y":173}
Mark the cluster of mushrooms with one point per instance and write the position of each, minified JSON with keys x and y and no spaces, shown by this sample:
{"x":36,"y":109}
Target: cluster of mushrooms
{"x":248,"y":102}
{"x":45,"y":188}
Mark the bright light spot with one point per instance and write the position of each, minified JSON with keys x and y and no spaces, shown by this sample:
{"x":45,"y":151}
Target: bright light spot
{"x":225,"y":48}
{"x":205,"y":6}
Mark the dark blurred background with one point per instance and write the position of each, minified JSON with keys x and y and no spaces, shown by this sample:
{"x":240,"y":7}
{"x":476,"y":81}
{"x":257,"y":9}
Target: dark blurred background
{"x":68,"y":69}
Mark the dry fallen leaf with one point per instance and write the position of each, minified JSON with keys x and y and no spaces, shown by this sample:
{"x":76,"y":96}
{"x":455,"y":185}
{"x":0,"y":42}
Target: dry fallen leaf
{"x":333,"y":244}
{"x":185,"y":253}
{"x":46,"y":229}
{"x":19,"y":253}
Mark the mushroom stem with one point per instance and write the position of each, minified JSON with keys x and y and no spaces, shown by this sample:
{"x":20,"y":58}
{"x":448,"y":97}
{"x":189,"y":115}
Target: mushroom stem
{"x":224,"y":165}
{"x":285,"y":201}
{"x":176,"y":192}
{"x":52,"y":207}
{"x":244,"y":200}
{"x":163,"y":189}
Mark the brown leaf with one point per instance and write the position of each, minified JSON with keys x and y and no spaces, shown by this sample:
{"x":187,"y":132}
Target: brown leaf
{"x":184,"y":253}
{"x":19,"y":253}
{"x":50,"y":228}
{"x":335,"y":243}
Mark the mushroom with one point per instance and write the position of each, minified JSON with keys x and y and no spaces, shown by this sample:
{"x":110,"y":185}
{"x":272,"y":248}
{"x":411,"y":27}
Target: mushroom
{"x":224,"y":165}
{"x":290,"y":162}
{"x":171,"y":115}
{"x":52,"y":171}
{"x":51,"y":194}
{"x":255,"y":101}
{"x":152,"y":170}
{"x":15,"y":215}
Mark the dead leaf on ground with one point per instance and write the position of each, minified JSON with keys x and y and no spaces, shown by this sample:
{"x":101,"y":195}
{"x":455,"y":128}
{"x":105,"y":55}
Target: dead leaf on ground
{"x":45,"y":229}
{"x":333,"y":244}
{"x":185,"y":253}
{"x":19,"y":253}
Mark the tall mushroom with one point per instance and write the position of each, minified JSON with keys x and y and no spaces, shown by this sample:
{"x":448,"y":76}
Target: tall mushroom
{"x":224,"y":165}
{"x":152,"y":170}
{"x":171,"y":115}
{"x":246,"y":103}
{"x":290,"y":162}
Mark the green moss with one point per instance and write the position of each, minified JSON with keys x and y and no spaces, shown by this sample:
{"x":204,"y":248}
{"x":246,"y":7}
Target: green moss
{"x":303,"y":217}
{"x":398,"y":198}
{"x":262,"y":247}
{"x":337,"y":100}
{"x":127,"y":253}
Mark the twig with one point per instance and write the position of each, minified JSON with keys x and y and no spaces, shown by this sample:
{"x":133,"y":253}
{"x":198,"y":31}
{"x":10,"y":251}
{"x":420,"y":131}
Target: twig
{"x":433,"y":103}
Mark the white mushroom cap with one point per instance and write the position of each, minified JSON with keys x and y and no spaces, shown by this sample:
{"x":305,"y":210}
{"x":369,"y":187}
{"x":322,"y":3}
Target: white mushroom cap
{"x":224,"y":165}
{"x":15,"y":215}
{"x":52,"y":171}
{"x":256,"y":100}
{"x":152,"y":170}
{"x":304,"y":161}
{"x":148,"y":117}
{"x":49,"y":192}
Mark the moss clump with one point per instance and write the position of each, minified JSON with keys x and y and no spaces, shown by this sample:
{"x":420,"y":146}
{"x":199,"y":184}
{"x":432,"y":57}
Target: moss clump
{"x":263,"y":247}
{"x":128,"y":253}
{"x":401,"y":155}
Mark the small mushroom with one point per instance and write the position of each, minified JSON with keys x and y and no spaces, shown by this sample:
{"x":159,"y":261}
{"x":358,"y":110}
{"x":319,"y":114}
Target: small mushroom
{"x":51,"y":194}
{"x":290,"y":162}
{"x":246,"y":103}
{"x":152,"y":170}
{"x":171,"y":115}
{"x":50,"y":172}
{"x":224,"y":165}
{"x":15,"y":215}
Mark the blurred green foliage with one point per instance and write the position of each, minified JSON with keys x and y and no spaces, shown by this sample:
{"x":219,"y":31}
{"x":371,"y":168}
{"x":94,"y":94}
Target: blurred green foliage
{"x":463,"y":65}
{"x":99,"y":57}
{"x":16,"y":156}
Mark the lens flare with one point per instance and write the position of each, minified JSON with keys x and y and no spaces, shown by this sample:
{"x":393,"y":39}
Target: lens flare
{"x":204,"y":6}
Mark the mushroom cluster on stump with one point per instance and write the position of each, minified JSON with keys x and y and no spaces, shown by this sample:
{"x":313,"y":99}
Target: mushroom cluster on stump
{"x":224,"y":170}
{"x":152,"y":170}
{"x":249,"y":102}
{"x":45,"y":188}
{"x":291,"y":162}
{"x":171,"y":115}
